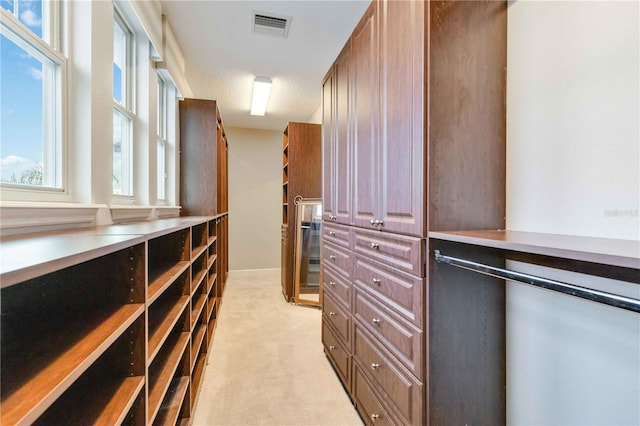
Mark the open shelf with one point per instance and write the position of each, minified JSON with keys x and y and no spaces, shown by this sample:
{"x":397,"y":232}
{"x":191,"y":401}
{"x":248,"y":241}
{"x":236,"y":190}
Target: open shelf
{"x":163,"y":370}
{"x":196,"y":343}
{"x":197,"y":307}
{"x":162,"y":282}
{"x":211,"y":306}
{"x":170,"y":409}
{"x":199,"y":236}
{"x":167,"y":251}
{"x":162,"y":330}
{"x":57,"y":361}
{"x":198,"y":272}
{"x":105,"y":402}
{"x":211,"y":261}
{"x":196,"y":376}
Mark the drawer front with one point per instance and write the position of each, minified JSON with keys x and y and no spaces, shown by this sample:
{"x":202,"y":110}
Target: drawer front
{"x":370,"y":407}
{"x":399,"y":291}
{"x":338,"y":317}
{"x":404,"y":340}
{"x":339,"y":258}
{"x":399,"y":251}
{"x":336,"y":234}
{"x":339,"y":286}
{"x":338,"y":355}
{"x":402,"y":391}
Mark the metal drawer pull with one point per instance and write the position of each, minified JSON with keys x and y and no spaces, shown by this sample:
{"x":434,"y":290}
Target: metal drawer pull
{"x":331,"y":314}
{"x":373,"y":222}
{"x":376,"y":281}
{"x":375,"y":321}
{"x":376,"y":222}
{"x":332,"y":233}
{"x":374,"y":246}
{"x":332,"y":284}
{"x":331,"y":347}
{"x":374,"y":366}
{"x":332,"y":217}
{"x":375,"y":417}
{"x":332,"y":257}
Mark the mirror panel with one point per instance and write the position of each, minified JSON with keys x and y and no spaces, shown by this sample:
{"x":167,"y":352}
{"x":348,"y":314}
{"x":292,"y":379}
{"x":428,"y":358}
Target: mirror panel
{"x":307,"y":260}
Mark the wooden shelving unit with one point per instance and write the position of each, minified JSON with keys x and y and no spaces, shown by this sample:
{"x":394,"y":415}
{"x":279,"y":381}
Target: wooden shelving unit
{"x":108,"y":325}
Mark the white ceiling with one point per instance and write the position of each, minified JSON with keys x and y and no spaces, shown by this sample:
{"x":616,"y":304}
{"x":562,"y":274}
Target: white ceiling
{"x":223,"y":55}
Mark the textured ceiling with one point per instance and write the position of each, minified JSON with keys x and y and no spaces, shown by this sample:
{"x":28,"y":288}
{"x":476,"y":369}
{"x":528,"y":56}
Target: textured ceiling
{"x":223,"y":55}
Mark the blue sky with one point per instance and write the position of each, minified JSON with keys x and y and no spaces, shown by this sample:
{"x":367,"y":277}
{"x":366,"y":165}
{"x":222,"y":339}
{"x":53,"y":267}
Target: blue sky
{"x":20,"y":96}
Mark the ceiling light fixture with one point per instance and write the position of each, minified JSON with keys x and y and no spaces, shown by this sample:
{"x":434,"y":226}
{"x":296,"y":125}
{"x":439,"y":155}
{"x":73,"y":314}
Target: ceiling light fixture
{"x":260,"y":97}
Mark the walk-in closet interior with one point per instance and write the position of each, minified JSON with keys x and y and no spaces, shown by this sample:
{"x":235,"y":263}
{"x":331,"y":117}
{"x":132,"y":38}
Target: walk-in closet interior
{"x":445,"y":192}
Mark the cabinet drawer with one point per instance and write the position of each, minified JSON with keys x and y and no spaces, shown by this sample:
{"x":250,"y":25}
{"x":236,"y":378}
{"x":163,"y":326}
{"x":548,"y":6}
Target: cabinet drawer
{"x":337,"y":234}
{"x":339,"y":258}
{"x":338,"y":317}
{"x":339,"y":286}
{"x":338,"y":355}
{"x":402,"y":391}
{"x":399,"y":291}
{"x":370,"y":407}
{"x":404,"y":340}
{"x":399,"y":251}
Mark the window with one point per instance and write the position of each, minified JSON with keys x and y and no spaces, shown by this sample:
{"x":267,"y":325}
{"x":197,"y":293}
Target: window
{"x":162,"y":139}
{"x":123,"y":115}
{"x":32,"y":71}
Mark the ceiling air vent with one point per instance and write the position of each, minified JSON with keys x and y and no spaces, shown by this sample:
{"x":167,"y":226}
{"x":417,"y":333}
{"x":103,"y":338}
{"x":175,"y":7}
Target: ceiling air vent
{"x":270,"y":24}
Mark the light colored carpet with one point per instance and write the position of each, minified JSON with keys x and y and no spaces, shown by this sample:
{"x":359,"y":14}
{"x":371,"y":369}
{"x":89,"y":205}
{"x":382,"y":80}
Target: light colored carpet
{"x":267,"y":365}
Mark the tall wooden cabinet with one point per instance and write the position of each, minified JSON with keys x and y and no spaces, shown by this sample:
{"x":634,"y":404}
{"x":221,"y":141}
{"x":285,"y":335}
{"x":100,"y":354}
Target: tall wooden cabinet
{"x":301,"y":177}
{"x":423,"y":88}
{"x":204,"y":174}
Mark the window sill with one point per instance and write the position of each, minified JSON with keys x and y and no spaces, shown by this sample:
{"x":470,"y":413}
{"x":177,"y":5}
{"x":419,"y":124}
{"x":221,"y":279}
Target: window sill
{"x":121,"y":214}
{"x":21,"y":217}
{"x":126,"y":213}
{"x":16,"y":215}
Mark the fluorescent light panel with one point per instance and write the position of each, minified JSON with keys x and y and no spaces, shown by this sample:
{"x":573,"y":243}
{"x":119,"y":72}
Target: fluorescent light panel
{"x":260,"y":97}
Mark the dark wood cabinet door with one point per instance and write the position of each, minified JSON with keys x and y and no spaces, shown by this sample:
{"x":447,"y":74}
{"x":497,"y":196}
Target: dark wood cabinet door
{"x":342,"y":146}
{"x":328,"y":166}
{"x":401,"y":130}
{"x":366,"y":167}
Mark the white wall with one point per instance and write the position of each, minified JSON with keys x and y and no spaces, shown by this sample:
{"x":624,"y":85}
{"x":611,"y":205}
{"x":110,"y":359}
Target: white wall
{"x":573,"y":156}
{"x":255,"y":198}
{"x":316,"y":118}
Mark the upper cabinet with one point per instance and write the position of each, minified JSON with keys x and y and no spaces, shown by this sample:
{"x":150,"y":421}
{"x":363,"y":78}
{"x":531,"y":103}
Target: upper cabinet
{"x":378,"y":142}
{"x":328,"y":123}
{"x":366,"y":167}
{"x":401,"y":161}
{"x":337,"y":151}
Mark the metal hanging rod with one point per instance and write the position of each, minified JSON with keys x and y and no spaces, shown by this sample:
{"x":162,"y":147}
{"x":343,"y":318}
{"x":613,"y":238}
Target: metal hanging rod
{"x":606,"y":298}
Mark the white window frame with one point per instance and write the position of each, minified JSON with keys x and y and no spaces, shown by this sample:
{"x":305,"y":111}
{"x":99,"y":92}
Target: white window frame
{"x":47,"y":48}
{"x":161,"y":157}
{"x":127,"y":110}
